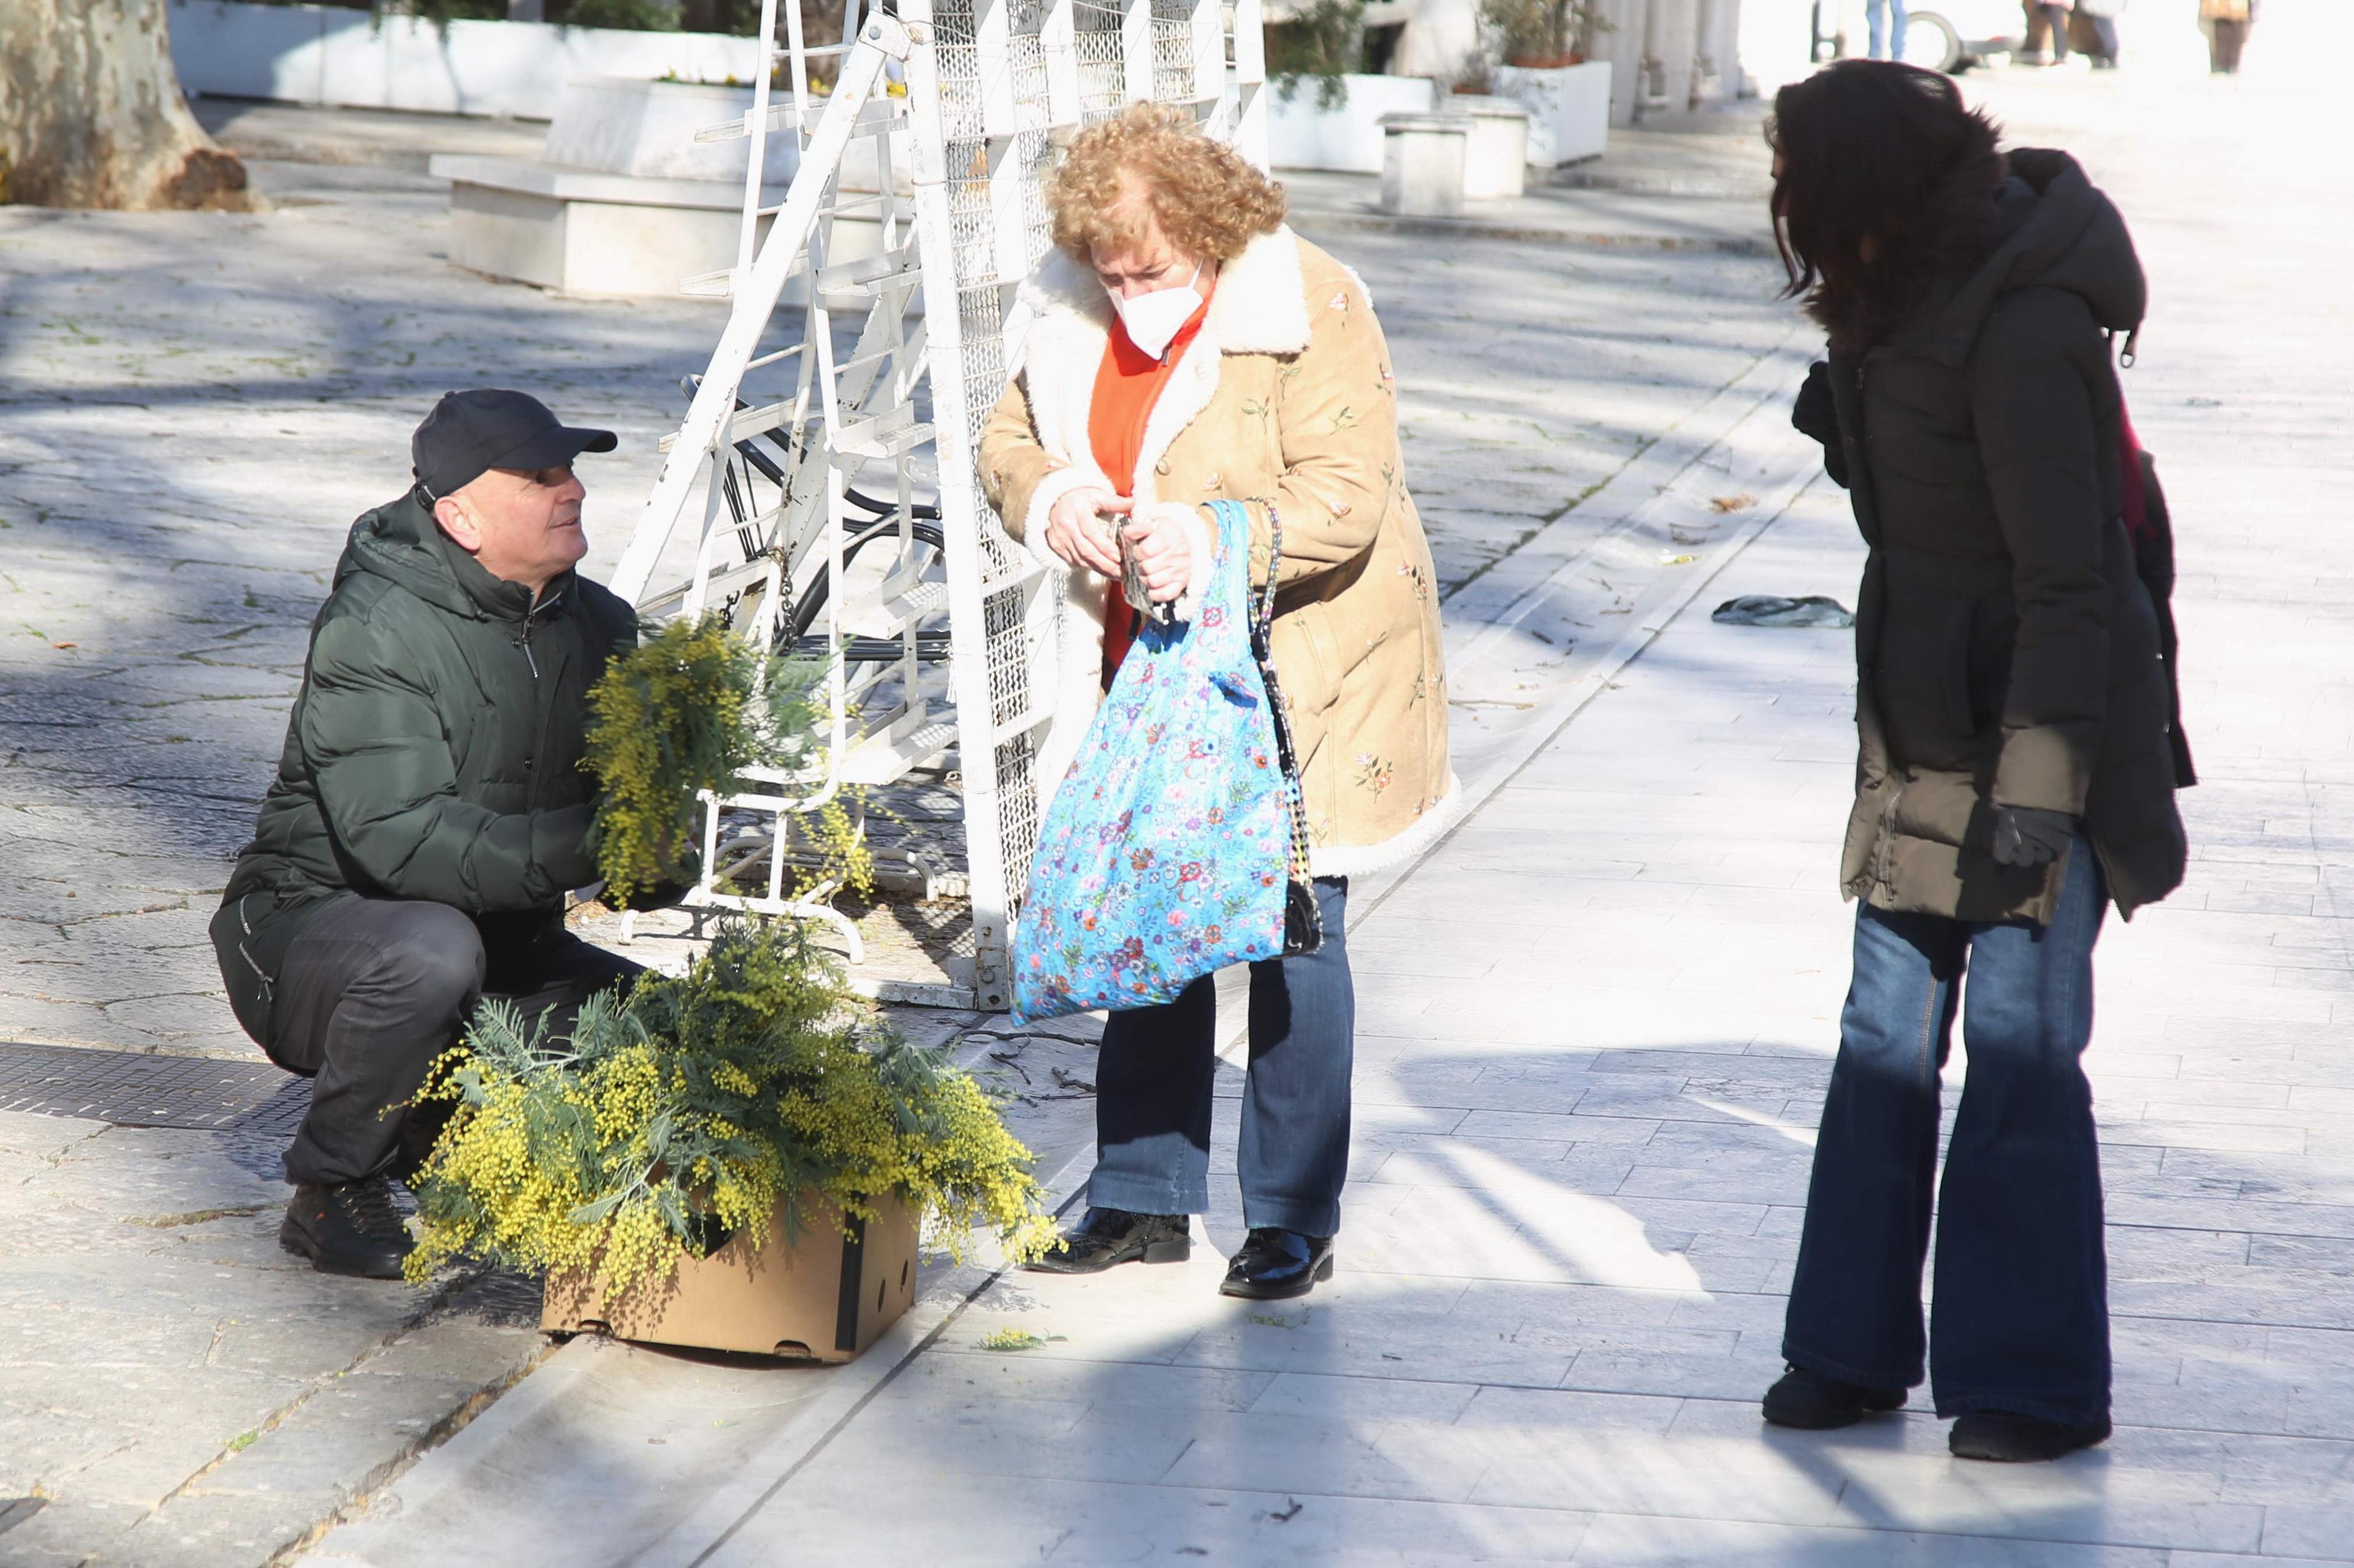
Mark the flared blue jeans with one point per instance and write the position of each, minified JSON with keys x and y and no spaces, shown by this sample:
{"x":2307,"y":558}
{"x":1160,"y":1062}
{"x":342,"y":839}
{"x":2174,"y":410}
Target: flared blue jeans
{"x":2020,"y":1320}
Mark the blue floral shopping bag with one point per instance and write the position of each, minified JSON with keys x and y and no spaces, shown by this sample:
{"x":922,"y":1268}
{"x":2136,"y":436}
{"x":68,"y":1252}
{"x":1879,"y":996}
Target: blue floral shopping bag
{"x":1165,"y":853}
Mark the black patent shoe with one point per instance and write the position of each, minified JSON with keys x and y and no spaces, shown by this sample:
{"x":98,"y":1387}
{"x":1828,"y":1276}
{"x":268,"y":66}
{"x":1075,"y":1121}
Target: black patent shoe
{"x":351,"y":1230}
{"x":1813,"y":1402}
{"x":1105,"y":1237}
{"x":2006,"y":1438}
{"x":1277,"y":1265}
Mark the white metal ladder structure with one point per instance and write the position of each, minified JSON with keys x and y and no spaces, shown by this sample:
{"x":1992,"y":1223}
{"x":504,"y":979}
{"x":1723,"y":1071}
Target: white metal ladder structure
{"x":917,"y":200}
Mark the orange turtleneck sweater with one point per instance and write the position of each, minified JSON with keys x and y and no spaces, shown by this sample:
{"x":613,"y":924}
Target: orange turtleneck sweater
{"x":1127,"y":385}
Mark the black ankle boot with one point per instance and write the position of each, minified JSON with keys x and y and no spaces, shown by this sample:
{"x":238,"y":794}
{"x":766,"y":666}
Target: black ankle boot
{"x":1813,"y":1402}
{"x":2007,"y":1438}
{"x":349,"y":1230}
{"x":1108,"y":1236}
{"x":1276,"y":1264}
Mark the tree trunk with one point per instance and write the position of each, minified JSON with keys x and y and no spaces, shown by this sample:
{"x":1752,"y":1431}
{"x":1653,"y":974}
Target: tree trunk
{"x":91,"y":116}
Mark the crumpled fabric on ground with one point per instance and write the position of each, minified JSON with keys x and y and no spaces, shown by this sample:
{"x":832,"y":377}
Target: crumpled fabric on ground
{"x":1162,"y":857}
{"x":1771,"y":610}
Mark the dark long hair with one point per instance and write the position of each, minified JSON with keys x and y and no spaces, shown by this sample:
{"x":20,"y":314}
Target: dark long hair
{"x":1888,"y":153}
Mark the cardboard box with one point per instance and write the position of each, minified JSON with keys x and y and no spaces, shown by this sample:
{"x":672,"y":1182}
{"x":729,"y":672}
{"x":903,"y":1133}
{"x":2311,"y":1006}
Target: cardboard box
{"x":825,"y":1298}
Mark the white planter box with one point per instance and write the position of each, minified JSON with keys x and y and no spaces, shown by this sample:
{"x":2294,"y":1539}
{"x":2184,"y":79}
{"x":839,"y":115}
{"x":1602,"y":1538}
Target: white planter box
{"x":1348,"y":137}
{"x":624,"y":126}
{"x":621,"y":125}
{"x":625,"y":200}
{"x":1496,"y":159}
{"x":582,"y":232}
{"x":324,"y":55}
{"x":1422,"y":164}
{"x":1569,"y":110}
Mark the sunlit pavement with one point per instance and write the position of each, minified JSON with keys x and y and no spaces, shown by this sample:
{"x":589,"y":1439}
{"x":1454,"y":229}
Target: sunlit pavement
{"x":1595,"y":1027}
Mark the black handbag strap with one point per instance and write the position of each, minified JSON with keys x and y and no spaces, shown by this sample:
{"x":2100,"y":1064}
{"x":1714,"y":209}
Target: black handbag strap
{"x":1303,"y":921}
{"x":1262,"y":643}
{"x":1263,"y":594}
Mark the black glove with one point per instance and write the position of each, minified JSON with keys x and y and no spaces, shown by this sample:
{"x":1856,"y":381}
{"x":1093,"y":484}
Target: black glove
{"x":1816,"y":414}
{"x":2025,"y":836}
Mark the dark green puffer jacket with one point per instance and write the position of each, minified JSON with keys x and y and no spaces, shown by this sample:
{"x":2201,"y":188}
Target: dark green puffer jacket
{"x":434,"y":750}
{"x":2008,"y":652}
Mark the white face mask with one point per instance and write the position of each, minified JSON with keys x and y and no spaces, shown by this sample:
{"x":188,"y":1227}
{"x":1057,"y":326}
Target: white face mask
{"x":1154,"y":320}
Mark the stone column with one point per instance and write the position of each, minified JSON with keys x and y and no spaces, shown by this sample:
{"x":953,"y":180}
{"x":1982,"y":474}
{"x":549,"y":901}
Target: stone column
{"x":1622,"y":45}
{"x":1674,"y":44}
{"x":1718,"y":75}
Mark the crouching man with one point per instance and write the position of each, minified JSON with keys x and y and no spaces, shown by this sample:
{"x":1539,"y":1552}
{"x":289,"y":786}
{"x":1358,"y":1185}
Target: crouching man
{"x":429,"y":813}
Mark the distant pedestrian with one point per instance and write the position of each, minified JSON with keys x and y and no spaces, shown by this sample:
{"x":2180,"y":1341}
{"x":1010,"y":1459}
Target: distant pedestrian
{"x":2227,"y":24}
{"x":2047,"y":31}
{"x":2093,"y":25}
{"x":1884,"y":20}
{"x":2035,"y":44}
{"x":2016,"y":776}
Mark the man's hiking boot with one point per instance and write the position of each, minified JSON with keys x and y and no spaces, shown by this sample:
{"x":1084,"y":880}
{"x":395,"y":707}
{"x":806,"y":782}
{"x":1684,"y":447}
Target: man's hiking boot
{"x":351,"y":1229}
{"x":1813,"y":1402}
{"x":1105,"y":1237}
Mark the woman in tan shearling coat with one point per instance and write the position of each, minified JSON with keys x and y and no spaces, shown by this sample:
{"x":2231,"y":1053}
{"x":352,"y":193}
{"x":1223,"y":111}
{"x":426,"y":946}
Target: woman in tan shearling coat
{"x":1184,"y":347}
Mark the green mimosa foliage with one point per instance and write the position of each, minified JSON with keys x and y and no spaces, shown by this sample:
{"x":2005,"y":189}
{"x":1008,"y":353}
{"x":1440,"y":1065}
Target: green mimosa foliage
{"x":684,"y":712}
{"x":683,"y":1111}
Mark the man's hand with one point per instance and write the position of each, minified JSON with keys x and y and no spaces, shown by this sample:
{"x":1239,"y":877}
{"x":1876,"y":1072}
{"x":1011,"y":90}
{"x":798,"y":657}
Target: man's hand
{"x":2025,"y":836}
{"x":1163,"y":546}
{"x":1078,"y":536}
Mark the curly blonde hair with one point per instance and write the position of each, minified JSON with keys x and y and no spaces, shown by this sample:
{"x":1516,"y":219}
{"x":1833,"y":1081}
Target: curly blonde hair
{"x":1211,"y":202}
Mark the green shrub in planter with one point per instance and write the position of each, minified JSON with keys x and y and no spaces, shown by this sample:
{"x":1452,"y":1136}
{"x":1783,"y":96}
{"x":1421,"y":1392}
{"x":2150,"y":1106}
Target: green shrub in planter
{"x":1322,"y":43}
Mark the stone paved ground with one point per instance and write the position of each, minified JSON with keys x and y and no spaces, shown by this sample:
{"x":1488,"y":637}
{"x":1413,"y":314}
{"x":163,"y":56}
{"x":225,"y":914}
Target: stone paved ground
{"x":192,"y":408}
{"x":1595,"y":1029}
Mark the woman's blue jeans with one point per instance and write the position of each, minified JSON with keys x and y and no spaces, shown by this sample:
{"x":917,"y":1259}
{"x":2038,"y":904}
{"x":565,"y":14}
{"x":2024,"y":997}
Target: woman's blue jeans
{"x":1158,"y":1065}
{"x":2020,"y":1320}
{"x":1884,"y":21}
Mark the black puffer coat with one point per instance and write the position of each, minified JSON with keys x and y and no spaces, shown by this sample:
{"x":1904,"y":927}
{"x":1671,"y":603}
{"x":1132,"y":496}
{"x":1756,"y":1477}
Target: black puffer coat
{"x":434,"y":750}
{"x":2008,"y":652}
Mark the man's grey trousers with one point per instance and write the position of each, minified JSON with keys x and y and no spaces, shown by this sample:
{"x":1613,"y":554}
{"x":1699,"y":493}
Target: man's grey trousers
{"x":374,"y":989}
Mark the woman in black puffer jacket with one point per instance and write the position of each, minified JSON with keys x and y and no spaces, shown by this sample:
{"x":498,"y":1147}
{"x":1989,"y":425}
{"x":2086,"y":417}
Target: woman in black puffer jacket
{"x":2016,"y":775}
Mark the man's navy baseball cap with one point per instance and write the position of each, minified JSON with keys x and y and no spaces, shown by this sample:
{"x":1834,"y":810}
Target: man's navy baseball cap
{"x":470,"y":433}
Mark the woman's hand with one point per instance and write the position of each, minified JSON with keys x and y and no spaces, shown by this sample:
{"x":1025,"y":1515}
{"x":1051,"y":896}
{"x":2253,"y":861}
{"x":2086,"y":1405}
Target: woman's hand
{"x":1077,"y":536}
{"x":1164,"y":550}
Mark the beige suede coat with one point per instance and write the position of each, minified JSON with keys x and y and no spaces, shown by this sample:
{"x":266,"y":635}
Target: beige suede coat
{"x":1285,"y":399}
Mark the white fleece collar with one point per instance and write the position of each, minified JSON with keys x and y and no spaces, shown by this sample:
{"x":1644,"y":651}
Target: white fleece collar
{"x":1260,"y":307}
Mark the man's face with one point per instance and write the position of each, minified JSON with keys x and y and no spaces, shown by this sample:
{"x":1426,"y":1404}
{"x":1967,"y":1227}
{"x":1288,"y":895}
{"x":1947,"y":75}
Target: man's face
{"x":523,"y":525}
